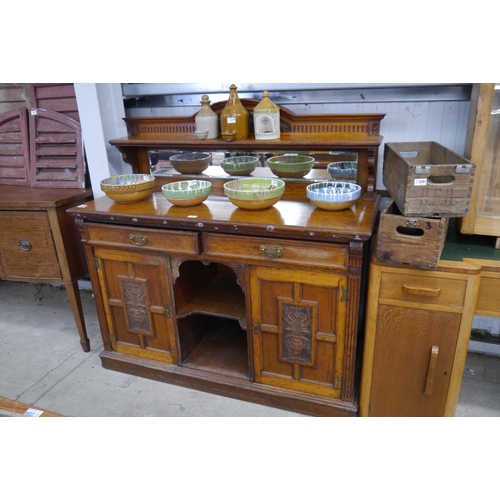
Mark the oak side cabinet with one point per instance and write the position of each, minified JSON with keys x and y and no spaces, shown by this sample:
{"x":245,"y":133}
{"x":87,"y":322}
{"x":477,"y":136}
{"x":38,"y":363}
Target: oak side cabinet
{"x":39,"y":242}
{"x":416,"y":338}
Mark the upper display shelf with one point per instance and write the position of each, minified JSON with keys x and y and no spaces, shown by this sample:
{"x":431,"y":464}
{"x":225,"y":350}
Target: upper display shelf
{"x":313,"y":132}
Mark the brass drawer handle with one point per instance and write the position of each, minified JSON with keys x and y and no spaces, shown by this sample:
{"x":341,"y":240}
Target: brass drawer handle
{"x":427,"y":292}
{"x":271,"y":252}
{"x":138,"y":240}
{"x":24,"y":245}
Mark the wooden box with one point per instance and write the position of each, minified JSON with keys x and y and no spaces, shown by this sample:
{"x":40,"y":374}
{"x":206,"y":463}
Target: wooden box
{"x":427,"y":179}
{"x":416,"y":241}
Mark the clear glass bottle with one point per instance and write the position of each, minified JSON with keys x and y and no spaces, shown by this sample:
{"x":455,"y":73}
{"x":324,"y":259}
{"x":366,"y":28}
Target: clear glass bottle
{"x":207,"y":119}
{"x":266,"y":119}
{"x":234,"y":118}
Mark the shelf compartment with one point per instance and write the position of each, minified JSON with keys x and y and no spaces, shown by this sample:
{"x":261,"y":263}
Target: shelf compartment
{"x":223,"y":350}
{"x":222,"y":297}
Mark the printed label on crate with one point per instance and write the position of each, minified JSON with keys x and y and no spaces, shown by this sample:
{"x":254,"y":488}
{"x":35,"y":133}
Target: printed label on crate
{"x":420,"y":182}
{"x":31,"y":412}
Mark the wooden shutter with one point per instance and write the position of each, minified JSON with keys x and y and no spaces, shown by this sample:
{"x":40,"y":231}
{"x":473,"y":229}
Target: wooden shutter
{"x":56,"y":150}
{"x":58,"y":97}
{"x":14,"y":147}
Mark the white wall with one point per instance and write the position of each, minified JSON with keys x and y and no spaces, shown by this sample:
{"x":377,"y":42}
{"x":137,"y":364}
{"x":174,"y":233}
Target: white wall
{"x":100,"y":106}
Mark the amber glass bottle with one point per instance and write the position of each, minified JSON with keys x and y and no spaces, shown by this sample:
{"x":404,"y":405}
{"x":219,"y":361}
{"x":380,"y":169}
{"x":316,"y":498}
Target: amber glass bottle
{"x":234,"y":116}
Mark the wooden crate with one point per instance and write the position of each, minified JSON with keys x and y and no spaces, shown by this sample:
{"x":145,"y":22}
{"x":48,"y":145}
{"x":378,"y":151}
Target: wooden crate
{"x":416,"y":241}
{"x":426,"y":179}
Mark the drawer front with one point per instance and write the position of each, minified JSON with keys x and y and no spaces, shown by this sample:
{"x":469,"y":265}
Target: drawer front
{"x":417,"y":289}
{"x":276,"y":251}
{"x":27,"y":250}
{"x":183,"y":242}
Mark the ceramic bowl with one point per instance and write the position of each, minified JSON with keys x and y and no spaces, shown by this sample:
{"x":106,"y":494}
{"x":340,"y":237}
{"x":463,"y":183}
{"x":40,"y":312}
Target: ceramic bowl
{"x":254,"y":194}
{"x":190,"y":163}
{"x":187,"y":193}
{"x":343,"y":170}
{"x":229,"y":136}
{"x":290,"y":165}
{"x":333,"y":195}
{"x":239,"y":165}
{"x":201,"y":134}
{"x":128,"y":188}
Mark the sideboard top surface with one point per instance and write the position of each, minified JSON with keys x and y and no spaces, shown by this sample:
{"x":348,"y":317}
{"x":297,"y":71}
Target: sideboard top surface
{"x":297,"y":219}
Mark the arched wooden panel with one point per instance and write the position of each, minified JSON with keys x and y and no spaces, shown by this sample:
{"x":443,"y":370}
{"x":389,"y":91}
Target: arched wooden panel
{"x":14,"y":148}
{"x":56,"y":150}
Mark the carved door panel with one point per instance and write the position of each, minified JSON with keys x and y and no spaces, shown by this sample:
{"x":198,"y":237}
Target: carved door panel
{"x":299,"y":323}
{"x":136,"y":293}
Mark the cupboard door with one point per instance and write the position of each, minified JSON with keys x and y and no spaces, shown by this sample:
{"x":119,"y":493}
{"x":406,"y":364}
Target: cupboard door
{"x":413,"y":359}
{"x":299,"y":323}
{"x":136,"y":293}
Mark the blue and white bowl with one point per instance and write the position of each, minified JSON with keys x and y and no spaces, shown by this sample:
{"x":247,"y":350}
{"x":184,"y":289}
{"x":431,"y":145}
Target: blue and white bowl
{"x":333,"y":195}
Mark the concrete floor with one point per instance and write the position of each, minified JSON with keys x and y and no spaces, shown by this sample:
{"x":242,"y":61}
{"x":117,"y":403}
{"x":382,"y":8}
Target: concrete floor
{"x":43,"y":365}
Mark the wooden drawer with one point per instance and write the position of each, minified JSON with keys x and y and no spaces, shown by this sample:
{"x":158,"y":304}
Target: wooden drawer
{"x":418,"y":289}
{"x":27,"y":248}
{"x":276,"y":251}
{"x":183,"y":242}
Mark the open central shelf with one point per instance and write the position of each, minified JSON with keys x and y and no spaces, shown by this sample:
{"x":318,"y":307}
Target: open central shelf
{"x":223,"y":350}
{"x":222,"y":297}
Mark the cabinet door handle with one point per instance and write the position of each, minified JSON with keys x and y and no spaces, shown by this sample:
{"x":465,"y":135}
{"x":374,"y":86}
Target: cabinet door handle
{"x":431,"y":370}
{"x":138,"y":240}
{"x":427,"y":292}
{"x":271,"y":252}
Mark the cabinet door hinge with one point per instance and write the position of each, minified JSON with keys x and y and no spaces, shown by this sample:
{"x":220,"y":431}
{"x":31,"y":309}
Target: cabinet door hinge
{"x":340,"y":381}
{"x":345,"y":293}
{"x":97,"y":264}
{"x":111,"y":338}
{"x":255,"y":328}
{"x":168,"y":313}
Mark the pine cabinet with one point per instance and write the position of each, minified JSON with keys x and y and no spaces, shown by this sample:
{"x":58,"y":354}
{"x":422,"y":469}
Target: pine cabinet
{"x":416,"y":338}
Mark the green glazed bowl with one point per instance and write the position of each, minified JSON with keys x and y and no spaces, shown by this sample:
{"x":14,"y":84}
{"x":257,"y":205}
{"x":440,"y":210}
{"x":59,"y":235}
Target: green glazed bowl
{"x":239,"y":165}
{"x":187,"y":193}
{"x":290,"y":165}
{"x":254,"y":193}
{"x":190,"y":163}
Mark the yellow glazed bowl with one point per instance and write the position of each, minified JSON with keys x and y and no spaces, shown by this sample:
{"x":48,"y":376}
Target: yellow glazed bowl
{"x":128,"y":188}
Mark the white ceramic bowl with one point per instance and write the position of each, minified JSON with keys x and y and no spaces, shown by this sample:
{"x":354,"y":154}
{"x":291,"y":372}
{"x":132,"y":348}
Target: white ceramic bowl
{"x":333,"y":195}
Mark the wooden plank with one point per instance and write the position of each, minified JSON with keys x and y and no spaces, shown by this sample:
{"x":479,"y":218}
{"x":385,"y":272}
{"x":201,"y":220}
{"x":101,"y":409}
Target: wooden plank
{"x":12,"y":161}
{"x":18,"y":409}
